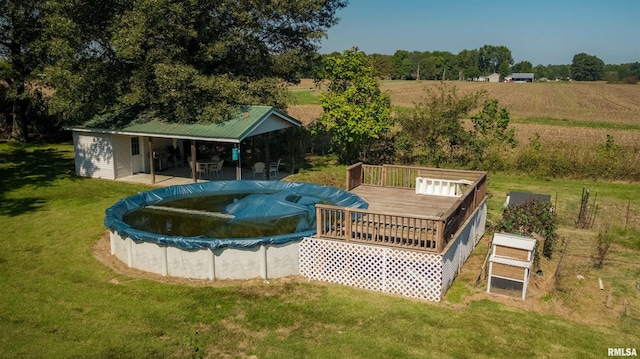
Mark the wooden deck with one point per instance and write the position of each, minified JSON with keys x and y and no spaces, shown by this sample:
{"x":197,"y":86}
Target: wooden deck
{"x":409,"y":207}
{"x":404,"y":201}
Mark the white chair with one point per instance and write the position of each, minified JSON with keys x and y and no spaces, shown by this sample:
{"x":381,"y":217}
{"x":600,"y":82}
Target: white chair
{"x":258,"y":168}
{"x":202,"y":169}
{"x":273,"y":168}
{"x":217,"y":168}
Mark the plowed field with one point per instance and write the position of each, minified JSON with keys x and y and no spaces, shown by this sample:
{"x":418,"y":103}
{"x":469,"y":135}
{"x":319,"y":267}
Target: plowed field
{"x":597,"y":103}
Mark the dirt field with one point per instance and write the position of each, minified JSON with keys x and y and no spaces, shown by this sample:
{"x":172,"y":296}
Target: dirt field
{"x":596,"y":102}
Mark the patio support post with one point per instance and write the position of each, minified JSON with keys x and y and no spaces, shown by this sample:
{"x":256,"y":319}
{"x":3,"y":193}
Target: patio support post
{"x":151,"y":164}
{"x":267,"y":154}
{"x":194,"y":174}
{"x":239,"y":164}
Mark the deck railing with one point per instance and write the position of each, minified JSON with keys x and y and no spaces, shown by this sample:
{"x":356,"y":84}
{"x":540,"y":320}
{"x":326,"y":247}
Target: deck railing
{"x":405,"y":231}
{"x":364,"y":226}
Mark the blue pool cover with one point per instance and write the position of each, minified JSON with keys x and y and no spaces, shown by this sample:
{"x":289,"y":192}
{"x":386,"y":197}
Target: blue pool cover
{"x":267,"y":200}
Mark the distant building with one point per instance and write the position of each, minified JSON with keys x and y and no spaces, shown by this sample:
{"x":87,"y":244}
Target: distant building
{"x":521,"y":77}
{"x":494,"y":77}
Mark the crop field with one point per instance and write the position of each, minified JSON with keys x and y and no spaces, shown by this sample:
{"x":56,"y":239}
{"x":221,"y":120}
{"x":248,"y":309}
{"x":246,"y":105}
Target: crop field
{"x":582,"y":113}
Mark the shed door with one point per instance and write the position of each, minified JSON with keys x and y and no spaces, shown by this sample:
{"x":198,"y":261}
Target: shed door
{"x":137,"y":159}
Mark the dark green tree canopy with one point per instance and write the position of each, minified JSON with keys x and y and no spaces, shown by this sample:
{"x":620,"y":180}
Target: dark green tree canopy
{"x":21,"y":53}
{"x":586,"y":67}
{"x":355,"y":111}
{"x":185,"y":61}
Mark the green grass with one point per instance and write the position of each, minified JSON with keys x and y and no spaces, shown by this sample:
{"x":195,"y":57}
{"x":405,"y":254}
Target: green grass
{"x":58,"y":301}
{"x":305,"y":97}
{"x":577,"y":124}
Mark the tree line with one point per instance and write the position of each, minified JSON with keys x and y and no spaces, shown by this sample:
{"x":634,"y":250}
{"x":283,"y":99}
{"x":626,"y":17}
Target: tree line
{"x":486,"y":60}
{"x":445,"y":129}
{"x":67,"y":62}
{"x":116,"y":61}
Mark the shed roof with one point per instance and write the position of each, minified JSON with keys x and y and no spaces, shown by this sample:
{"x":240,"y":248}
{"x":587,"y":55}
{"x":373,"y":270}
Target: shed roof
{"x":523,"y":75}
{"x":514,"y":241}
{"x":517,"y":198}
{"x":250,"y":121}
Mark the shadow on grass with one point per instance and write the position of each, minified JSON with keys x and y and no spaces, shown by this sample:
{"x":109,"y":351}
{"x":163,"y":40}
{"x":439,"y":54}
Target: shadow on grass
{"x":29,"y":165}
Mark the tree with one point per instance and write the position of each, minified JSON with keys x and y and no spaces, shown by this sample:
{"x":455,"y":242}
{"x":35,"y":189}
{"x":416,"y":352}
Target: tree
{"x":432,"y":132}
{"x":586,"y":67}
{"x":355,"y":111}
{"x":382,"y":65}
{"x":402,"y":65}
{"x":522,"y":66}
{"x":21,"y":26}
{"x":491,"y":136}
{"x":183,"y":61}
{"x":495,"y":59}
{"x":467,"y":64}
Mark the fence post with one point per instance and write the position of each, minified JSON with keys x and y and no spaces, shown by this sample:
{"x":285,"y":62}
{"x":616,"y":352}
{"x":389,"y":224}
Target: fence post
{"x":384,"y":175}
{"x":347,"y":225}
{"x":319,"y":221}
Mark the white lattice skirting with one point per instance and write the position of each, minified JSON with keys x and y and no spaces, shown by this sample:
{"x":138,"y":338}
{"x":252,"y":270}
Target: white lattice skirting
{"x":407,"y":273}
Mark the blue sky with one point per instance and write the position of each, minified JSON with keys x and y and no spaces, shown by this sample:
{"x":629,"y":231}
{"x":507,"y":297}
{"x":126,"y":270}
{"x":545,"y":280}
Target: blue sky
{"x":539,"y":31}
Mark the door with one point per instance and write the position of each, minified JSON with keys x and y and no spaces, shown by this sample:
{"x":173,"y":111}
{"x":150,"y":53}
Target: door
{"x":137,"y":160}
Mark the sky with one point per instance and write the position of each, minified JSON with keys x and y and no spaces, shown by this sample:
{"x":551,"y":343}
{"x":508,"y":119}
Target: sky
{"x":542,"y":32}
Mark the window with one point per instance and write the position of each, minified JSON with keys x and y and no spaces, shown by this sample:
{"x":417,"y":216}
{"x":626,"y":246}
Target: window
{"x":135,"y":146}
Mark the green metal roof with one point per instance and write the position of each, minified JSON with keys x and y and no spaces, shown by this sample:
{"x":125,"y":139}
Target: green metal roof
{"x":251,"y":120}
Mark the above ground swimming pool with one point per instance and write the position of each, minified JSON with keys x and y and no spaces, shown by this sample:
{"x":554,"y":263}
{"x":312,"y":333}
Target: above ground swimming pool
{"x":220,"y":229}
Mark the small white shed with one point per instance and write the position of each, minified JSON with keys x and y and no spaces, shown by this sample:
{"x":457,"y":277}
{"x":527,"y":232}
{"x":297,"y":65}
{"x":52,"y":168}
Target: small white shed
{"x":510,"y":264}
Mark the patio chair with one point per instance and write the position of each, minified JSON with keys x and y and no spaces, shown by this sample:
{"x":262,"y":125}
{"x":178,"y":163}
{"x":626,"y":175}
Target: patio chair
{"x":217,"y":168}
{"x":258,"y":168}
{"x":273,"y":168}
{"x":202,"y":169}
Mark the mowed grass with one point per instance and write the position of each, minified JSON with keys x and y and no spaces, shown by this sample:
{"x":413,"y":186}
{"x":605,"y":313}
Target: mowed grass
{"x":59,"y":301}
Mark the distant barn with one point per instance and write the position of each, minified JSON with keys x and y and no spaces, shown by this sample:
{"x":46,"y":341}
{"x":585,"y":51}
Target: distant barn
{"x":522,"y":77}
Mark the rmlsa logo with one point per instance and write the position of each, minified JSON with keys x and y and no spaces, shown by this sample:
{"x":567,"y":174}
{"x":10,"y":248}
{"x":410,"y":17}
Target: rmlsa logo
{"x":622,"y":352}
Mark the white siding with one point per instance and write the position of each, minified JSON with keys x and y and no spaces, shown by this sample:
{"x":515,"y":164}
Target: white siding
{"x":272,"y":123}
{"x":122,"y":155}
{"x":93,"y":155}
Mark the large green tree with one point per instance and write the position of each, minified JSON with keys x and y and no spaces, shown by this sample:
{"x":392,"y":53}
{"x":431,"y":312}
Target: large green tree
{"x":495,"y":59}
{"x":21,"y":48}
{"x":491,"y":137}
{"x":432,"y":132}
{"x":586,"y":67}
{"x":355,"y":111}
{"x":185,"y":61}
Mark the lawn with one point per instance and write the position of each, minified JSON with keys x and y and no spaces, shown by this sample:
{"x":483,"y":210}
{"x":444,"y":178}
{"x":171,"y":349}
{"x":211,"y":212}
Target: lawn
{"x":59,"y":301}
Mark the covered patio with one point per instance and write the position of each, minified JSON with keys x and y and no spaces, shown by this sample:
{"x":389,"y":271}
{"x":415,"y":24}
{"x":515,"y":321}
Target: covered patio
{"x":157,"y":151}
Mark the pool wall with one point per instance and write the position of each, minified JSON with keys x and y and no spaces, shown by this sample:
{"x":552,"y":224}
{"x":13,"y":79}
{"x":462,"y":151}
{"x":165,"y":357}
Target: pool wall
{"x":214,"y":258}
{"x":261,"y":261}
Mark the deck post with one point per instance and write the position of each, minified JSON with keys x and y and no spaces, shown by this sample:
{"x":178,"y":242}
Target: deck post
{"x":440,"y":236}
{"x":347,"y":224}
{"x":319,"y":221}
{"x":348,"y":180}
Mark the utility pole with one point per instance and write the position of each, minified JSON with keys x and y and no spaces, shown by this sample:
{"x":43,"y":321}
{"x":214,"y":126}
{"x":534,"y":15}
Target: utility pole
{"x":418,"y":77}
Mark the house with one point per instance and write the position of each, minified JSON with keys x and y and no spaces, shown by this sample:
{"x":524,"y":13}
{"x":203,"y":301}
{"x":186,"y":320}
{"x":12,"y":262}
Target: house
{"x":494,"y":77}
{"x":108,"y":151}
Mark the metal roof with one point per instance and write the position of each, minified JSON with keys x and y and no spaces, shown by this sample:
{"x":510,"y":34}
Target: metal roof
{"x":524,"y":75}
{"x":251,"y":121}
